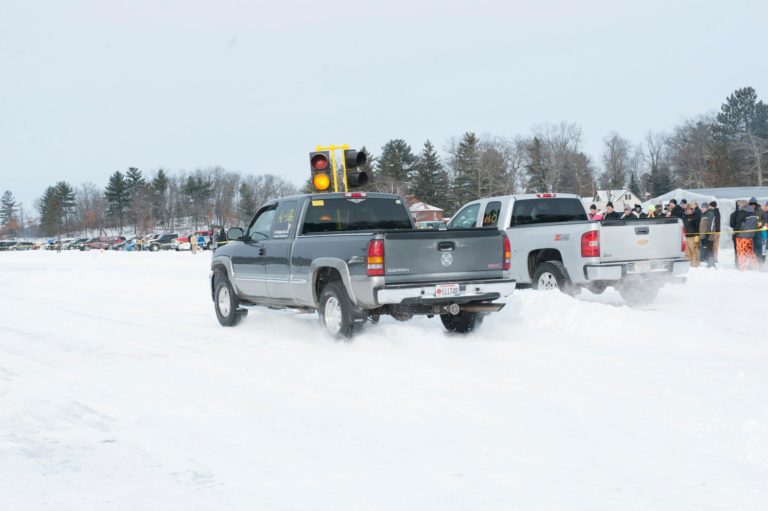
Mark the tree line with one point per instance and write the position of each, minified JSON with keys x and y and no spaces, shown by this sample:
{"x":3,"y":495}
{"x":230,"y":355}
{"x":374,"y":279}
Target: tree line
{"x":728,"y":147}
{"x":146,"y":203}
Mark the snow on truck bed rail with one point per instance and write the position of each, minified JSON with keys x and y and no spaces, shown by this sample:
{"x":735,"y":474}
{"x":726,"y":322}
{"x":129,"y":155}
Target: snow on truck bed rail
{"x":119,"y":390}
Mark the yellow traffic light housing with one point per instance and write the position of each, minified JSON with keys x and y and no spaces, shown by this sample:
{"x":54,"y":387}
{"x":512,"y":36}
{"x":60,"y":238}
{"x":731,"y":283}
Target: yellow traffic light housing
{"x":321,"y":168}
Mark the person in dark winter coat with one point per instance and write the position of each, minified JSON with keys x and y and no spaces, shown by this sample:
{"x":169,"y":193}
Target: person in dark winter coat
{"x":706,"y":229}
{"x":610,"y":213}
{"x":715,"y":228}
{"x":675,"y":210}
{"x":758,"y":236}
{"x":746,"y":225}
{"x":736,"y":218}
{"x":691,"y":237}
{"x":628,"y":214}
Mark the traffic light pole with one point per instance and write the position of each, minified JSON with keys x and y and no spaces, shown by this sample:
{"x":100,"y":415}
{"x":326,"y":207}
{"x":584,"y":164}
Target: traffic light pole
{"x":332,"y":148}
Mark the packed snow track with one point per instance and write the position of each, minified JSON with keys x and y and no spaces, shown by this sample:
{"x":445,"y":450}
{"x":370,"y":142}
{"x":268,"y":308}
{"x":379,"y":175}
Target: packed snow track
{"x":119,"y":390}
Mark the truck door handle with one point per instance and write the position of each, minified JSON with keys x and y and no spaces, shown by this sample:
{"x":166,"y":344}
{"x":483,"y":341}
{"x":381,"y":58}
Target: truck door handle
{"x":642,"y":230}
{"x":446,"y":246}
{"x":261,"y":251}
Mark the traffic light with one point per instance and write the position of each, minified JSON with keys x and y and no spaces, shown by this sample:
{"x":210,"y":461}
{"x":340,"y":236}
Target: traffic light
{"x":352,"y":159}
{"x":320,"y":165}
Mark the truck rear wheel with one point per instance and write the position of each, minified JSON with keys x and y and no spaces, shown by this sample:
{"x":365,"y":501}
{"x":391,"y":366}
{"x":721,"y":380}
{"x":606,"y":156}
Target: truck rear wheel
{"x":463,"y":322}
{"x":336,"y":311}
{"x":551,"y":275}
{"x":226,"y":303}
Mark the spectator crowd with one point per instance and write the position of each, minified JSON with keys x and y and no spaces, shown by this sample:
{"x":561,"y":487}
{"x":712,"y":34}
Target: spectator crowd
{"x":702,"y":223}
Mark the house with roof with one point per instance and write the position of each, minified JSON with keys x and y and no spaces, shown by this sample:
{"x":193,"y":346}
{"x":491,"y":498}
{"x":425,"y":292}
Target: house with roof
{"x":620,"y":199}
{"x":423,"y":212}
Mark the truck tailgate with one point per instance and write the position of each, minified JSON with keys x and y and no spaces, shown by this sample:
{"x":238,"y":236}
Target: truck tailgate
{"x":644,"y":239}
{"x":443,"y":256}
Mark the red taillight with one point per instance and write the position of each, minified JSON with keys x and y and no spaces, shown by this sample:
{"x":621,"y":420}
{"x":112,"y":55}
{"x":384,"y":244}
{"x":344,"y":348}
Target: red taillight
{"x":376,"y":258}
{"x":682,"y":243}
{"x":590,"y":244}
{"x":546,"y":195}
{"x":507,"y":252}
{"x":356,"y":195}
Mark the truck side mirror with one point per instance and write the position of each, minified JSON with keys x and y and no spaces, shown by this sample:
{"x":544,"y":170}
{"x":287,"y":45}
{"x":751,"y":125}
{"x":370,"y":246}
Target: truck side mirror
{"x":235,"y":233}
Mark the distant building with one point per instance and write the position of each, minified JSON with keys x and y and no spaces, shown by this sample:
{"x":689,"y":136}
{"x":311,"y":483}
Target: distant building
{"x":620,"y":199}
{"x":423,"y":212}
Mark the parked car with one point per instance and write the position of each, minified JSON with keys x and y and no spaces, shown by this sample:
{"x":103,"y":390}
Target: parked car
{"x":127,"y":245}
{"x":6,"y":245}
{"x":102,"y":242}
{"x":182,"y":242}
{"x":23,"y":245}
{"x":555,"y":246}
{"x":162,"y":242}
{"x":75,"y":244}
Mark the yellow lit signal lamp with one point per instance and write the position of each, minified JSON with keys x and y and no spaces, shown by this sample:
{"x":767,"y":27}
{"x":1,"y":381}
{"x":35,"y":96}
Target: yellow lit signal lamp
{"x":321,"y":182}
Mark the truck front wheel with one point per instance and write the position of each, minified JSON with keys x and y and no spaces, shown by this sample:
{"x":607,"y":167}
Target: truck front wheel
{"x":336,"y":314}
{"x":463,"y":322}
{"x":226,"y":303}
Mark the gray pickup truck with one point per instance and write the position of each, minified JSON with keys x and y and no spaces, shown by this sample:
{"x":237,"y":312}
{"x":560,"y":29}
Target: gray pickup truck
{"x":555,"y":246}
{"x":354,"y":257}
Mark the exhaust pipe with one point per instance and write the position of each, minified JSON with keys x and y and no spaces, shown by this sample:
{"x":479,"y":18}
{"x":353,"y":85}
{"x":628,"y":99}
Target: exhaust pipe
{"x":454,"y":308}
{"x":483,"y":307}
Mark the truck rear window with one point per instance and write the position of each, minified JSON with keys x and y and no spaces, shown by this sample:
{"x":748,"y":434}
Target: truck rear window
{"x":342,"y":214}
{"x":547,"y":211}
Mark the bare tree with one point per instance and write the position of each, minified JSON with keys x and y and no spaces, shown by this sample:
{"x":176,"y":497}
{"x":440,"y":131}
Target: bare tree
{"x":691,"y":151}
{"x":616,"y":161}
{"x":561,"y":142}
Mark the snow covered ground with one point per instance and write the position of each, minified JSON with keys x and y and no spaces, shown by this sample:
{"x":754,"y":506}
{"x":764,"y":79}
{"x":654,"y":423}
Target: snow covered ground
{"x":120,"y":391}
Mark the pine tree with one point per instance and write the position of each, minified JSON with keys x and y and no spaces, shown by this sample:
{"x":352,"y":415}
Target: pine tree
{"x":8,"y":208}
{"x":66,"y":196}
{"x":430,"y":179}
{"x":117,"y":197}
{"x":247,"y":206}
{"x":466,"y":170}
{"x":159,"y":197}
{"x":743,"y":122}
{"x":394,"y":167}
{"x":50,"y":211}
{"x":537,"y":170}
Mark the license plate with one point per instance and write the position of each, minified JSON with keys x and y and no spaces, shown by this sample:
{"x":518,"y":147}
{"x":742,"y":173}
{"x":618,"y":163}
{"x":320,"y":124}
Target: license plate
{"x":445,"y":290}
{"x":642,"y":266}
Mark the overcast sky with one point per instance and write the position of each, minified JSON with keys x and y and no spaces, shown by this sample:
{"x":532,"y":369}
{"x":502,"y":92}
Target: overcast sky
{"x":90,"y":87}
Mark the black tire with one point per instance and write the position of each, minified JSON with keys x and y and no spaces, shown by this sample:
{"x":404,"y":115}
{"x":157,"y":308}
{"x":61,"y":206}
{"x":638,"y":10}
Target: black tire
{"x":337,"y":312}
{"x":225,"y":302}
{"x":154,"y":248}
{"x":551,"y":275}
{"x":462,"y":323}
{"x":638,"y":293}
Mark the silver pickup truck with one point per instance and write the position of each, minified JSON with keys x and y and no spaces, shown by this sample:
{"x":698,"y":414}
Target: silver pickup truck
{"x":354,"y":257}
{"x":555,"y":246}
